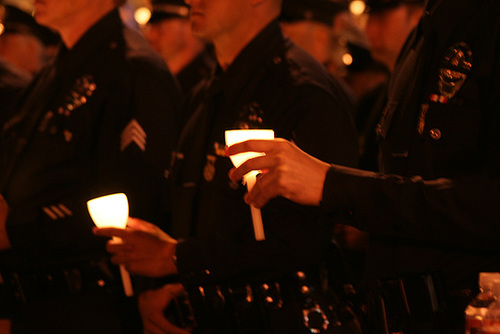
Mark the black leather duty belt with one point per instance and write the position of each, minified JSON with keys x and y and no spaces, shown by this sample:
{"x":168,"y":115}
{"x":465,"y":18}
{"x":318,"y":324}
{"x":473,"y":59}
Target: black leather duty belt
{"x":24,"y":286}
{"x":249,"y":306}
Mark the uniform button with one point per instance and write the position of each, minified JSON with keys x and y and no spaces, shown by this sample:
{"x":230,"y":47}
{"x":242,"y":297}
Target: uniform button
{"x":435,"y":134}
{"x":277,"y":60}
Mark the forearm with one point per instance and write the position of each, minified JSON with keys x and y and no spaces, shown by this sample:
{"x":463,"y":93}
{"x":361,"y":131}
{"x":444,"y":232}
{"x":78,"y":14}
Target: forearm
{"x":461,"y":212}
{"x":56,"y":227}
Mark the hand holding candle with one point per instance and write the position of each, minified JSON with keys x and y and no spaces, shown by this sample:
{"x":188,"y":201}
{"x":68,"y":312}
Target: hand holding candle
{"x":237,"y":136}
{"x":112,"y":211}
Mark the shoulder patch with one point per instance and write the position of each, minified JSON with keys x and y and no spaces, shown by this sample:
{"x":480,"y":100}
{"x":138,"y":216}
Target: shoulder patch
{"x":133,"y":134}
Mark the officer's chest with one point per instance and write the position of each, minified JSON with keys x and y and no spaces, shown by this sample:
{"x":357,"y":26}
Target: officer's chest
{"x":448,"y":127}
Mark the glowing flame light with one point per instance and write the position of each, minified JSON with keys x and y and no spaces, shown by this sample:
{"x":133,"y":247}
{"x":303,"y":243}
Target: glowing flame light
{"x":109,"y":211}
{"x":142,"y":15}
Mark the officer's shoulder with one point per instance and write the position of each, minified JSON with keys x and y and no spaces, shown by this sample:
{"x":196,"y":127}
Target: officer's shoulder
{"x":126,"y":59}
{"x":12,"y":76}
{"x":138,"y":52}
{"x":297,"y":71}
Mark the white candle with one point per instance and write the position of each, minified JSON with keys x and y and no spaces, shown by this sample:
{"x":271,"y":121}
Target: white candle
{"x":238,"y":136}
{"x":112,"y":211}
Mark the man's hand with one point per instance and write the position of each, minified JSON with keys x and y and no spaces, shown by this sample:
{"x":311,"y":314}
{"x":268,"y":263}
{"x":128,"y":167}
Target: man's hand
{"x":144,"y":249}
{"x":4,"y":211}
{"x":152,"y":303}
{"x":286,"y":171}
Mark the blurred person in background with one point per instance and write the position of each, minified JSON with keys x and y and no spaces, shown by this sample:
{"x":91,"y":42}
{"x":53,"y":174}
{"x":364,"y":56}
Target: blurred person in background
{"x":24,"y":42}
{"x":309,"y":23}
{"x":25,"y":47}
{"x":169,"y":33}
{"x":326,"y":30}
{"x":12,"y":78}
{"x":98,"y":120}
{"x":389,"y":24}
{"x":189,"y":58}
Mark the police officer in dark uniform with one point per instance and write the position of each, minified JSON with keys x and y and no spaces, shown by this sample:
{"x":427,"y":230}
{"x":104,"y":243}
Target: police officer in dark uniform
{"x":98,"y":121}
{"x":311,"y":24}
{"x":434,"y":214}
{"x":322,"y":11}
{"x":189,"y":58}
{"x":235,"y":283}
{"x":388,"y":26}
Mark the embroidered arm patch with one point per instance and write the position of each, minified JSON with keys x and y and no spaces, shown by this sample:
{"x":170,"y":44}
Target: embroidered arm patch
{"x":133,"y":133}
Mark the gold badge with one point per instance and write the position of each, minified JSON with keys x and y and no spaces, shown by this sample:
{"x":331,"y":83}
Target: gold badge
{"x":251,"y":116}
{"x":456,"y":66}
{"x":82,"y":90}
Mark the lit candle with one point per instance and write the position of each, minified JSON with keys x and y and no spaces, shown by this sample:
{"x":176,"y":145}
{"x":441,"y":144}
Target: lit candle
{"x":238,"y":136}
{"x":112,"y":211}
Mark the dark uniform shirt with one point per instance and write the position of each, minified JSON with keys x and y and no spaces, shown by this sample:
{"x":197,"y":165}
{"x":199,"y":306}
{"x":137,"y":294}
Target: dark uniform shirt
{"x":441,"y":137}
{"x":99,"y":121}
{"x":271,"y":84}
{"x":192,"y":75}
{"x":199,"y":69}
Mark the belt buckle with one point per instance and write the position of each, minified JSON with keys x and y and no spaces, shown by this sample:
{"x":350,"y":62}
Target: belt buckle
{"x":313,"y":314}
{"x":314,"y":318}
